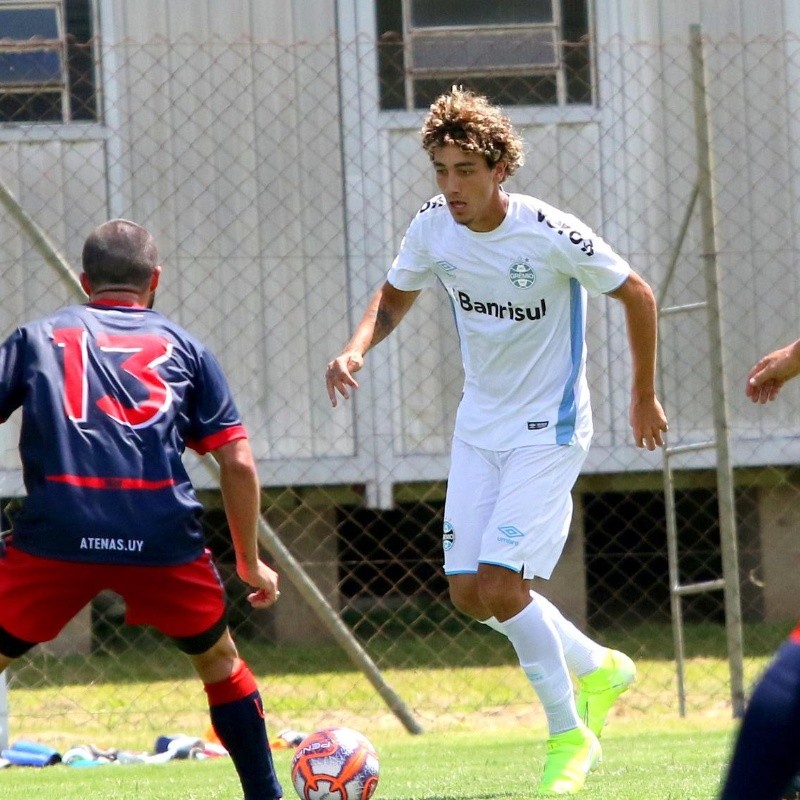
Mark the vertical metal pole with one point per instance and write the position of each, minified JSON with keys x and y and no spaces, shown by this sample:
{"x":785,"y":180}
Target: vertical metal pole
{"x":725,"y":491}
{"x":676,"y":602}
{"x":675,"y":597}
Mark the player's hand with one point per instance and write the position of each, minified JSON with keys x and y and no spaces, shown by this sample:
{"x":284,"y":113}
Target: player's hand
{"x":763,"y":392}
{"x":765,"y":379}
{"x":264,"y":580}
{"x":648,"y":422}
{"x":339,"y":375}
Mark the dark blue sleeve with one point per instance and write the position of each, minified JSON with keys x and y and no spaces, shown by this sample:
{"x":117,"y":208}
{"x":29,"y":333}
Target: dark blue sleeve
{"x":12,"y":387}
{"x":216,"y":419}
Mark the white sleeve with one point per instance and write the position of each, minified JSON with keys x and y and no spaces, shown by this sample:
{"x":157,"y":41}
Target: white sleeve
{"x":411,"y":269}
{"x":586,"y":257}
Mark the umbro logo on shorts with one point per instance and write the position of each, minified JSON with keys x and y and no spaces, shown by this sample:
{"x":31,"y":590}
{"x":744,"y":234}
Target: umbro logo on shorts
{"x":509,"y":535}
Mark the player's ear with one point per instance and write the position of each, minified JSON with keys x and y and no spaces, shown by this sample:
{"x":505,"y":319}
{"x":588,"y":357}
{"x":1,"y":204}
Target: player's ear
{"x":155,"y":278}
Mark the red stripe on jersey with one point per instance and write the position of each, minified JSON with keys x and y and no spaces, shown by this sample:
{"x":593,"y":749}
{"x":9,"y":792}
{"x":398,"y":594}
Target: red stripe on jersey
{"x":216,"y":440}
{"x":120,"y":303}
{"x":91,"y":482}
{"x":795,"y":634}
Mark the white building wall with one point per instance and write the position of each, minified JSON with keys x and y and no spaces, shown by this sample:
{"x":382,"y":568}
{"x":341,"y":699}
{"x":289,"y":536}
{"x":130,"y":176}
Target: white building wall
{"x":247,"y":137}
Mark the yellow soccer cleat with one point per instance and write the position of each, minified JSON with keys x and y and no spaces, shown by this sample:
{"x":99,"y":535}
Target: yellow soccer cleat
{"x":599,"y":690}
{"x":570,"y":757}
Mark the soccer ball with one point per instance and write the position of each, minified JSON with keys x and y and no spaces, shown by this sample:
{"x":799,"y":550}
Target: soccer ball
{"x":335,"y":764}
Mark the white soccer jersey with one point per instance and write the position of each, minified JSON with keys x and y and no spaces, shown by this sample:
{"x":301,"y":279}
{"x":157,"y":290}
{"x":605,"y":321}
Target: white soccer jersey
{"x":519,"y":296}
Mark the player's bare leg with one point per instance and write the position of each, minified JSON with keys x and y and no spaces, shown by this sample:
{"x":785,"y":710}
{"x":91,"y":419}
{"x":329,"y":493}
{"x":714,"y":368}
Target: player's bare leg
{"x":218,"y":662}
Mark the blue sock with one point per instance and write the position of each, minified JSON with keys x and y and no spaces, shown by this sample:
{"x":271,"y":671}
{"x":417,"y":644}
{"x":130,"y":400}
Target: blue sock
{"x":238,"y":721}
{"x":766,"y":755}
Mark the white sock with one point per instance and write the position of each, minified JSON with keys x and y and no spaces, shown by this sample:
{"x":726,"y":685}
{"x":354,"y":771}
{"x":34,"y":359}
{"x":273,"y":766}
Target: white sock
{"x":541,"y":657}
{"x":582,"y":654}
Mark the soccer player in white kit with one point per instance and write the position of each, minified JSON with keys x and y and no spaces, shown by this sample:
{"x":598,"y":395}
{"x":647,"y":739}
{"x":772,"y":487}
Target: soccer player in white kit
{"x":518,"y":273}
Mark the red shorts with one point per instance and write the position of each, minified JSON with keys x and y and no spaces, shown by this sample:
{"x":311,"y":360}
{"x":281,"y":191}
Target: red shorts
{"x":39,"y":596}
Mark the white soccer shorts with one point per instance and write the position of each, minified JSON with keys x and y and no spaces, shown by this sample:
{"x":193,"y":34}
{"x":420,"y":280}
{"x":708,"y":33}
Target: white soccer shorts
{"x":510,"y":508}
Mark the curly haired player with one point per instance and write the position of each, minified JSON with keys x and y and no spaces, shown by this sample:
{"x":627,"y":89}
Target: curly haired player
{"x":111,"y":393}
{"x":517,"y":272}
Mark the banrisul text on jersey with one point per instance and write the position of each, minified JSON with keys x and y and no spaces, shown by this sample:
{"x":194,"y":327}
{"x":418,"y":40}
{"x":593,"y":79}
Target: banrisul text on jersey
{"x":505,"y":310}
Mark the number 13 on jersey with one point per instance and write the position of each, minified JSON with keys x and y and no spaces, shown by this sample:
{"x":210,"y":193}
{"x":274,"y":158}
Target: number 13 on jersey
{"x":146,"y":351}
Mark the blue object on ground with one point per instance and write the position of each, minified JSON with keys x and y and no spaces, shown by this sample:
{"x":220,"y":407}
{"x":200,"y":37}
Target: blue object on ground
{"x":30,"y":754}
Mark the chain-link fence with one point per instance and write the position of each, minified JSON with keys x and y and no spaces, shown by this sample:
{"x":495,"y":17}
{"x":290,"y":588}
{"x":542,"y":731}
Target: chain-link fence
{"x":278,"y":184}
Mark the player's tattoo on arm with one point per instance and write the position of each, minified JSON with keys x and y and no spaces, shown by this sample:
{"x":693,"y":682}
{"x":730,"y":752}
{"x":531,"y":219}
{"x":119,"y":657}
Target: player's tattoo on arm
{"x":387,"y":307}
{"x":385,"y":323}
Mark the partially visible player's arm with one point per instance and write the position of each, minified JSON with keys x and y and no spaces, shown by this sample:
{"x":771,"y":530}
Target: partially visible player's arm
{"x":11,"y":381}
{"x":241,"y":496}
{"x":647,"y":417}
{"x":384,"y":312}
{"x":766,"y":378}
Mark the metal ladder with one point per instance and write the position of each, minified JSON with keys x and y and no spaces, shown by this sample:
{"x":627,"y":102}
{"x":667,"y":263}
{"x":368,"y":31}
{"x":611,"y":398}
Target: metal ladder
{"x":729,"y":583}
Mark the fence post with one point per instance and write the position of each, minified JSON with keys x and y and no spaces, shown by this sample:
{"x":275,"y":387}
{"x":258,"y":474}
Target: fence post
{"x":725,"y":491}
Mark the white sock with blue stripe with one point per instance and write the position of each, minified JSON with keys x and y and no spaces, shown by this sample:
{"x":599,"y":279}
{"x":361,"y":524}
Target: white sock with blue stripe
{"x":538,"y":647}
{"x":583,"y":655}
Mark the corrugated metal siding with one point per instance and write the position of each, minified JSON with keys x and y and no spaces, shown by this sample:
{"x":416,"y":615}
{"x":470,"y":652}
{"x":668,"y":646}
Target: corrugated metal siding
{"x":253,"y":149}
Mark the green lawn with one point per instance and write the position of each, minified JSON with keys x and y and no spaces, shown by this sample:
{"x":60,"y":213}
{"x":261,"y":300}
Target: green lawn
{"x":643,"y":761}
{"x":127,"y":701}
{"x":484,"y":730}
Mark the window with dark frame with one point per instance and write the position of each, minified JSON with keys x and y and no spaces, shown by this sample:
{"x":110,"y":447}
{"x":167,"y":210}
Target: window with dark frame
{"x":518,"y":52}
{"x":47,"y":62}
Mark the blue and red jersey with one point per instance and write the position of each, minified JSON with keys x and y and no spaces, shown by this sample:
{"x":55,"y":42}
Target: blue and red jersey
{"x":111,"y":396}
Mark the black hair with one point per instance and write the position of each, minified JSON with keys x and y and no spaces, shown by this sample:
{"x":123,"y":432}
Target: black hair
{"x":119,"y":254}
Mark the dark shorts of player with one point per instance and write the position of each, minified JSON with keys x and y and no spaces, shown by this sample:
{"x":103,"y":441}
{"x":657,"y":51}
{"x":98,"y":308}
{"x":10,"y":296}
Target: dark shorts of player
{"x":39,"y":596}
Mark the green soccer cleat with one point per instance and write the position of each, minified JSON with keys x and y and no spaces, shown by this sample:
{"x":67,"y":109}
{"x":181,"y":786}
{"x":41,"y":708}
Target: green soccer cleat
{"x":570,"y":757}
{"x":599,"y":690}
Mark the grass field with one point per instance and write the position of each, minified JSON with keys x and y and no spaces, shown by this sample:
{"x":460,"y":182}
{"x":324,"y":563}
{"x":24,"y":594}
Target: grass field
{"x":127,"y":702}
{"x":130,"y":714}
{"x":643,"y":761}
{"x":484,"y":731}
